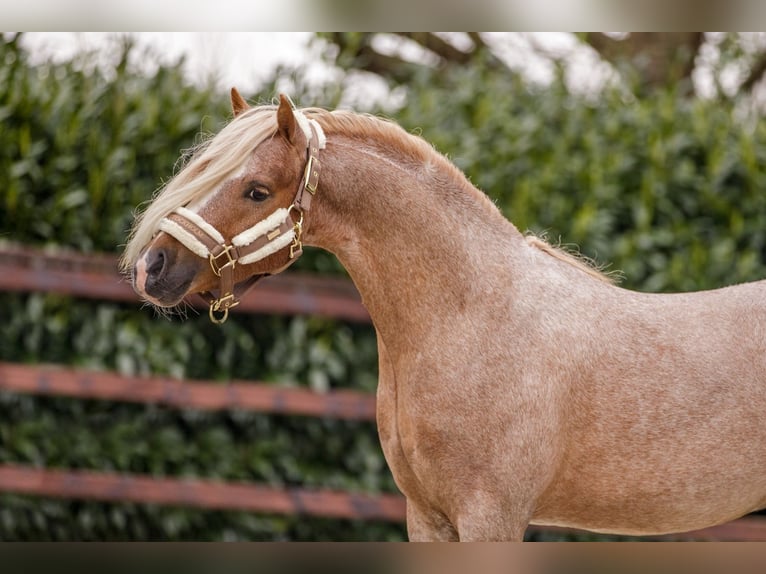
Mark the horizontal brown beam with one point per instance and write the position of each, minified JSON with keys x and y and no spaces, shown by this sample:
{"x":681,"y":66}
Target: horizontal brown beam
{"x":236,"y":395}
{"x":198,"y":493}
{"x":219,"y":495}
{"x":96,"y":276}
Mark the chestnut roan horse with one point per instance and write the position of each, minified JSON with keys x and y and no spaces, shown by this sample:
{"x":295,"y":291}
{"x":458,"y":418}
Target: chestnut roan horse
{"x":517,"y":385}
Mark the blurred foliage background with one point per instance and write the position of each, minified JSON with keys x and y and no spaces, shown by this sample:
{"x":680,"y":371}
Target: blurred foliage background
{"x":645,"y":173}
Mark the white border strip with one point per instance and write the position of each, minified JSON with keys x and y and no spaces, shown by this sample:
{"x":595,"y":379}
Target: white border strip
{"x":261,"y":228}
{"x":270,"y":248}
{"x":190,"y":242}
{"x":201,"y":223}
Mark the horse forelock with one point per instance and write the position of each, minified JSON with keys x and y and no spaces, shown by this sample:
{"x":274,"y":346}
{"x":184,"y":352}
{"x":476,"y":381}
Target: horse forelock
{"x":208,"y":165}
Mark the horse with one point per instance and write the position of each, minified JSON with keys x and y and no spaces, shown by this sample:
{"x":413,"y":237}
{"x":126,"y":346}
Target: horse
{"x":516,"y":385}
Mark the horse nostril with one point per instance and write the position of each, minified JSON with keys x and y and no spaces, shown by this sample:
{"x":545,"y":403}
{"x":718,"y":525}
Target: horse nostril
{"x":155,"y":263}
{"x":161,"y":278}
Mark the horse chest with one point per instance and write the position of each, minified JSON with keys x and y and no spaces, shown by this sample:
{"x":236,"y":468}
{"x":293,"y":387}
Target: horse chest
{"x":388,"y":427}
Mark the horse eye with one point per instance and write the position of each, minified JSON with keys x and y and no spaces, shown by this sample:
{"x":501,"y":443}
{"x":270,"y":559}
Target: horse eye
{"x":257,"y":193}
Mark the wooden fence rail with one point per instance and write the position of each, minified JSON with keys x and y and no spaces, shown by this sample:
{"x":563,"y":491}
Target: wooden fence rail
{"x":259,"y":397}
{"x":95,"y":276}
{"x":217,"y":495}
{"x":197,"y":493}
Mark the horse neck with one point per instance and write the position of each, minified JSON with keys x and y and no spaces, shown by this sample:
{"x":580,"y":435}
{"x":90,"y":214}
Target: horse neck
{"x":417,"y":239}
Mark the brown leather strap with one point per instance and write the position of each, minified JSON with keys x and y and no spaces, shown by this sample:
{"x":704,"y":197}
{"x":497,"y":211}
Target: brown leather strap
{"x":310,"y":179}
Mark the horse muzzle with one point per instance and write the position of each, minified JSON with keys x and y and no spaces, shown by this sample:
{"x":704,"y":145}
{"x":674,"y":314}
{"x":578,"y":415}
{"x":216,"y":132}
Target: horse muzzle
{"x":160,"y":278}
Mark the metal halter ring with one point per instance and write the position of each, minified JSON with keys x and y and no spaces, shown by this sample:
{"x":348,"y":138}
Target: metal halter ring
{"x":220,"y":306}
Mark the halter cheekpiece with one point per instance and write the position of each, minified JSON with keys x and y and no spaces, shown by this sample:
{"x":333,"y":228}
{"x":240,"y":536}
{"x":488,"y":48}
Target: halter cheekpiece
{"x":282,"y":230}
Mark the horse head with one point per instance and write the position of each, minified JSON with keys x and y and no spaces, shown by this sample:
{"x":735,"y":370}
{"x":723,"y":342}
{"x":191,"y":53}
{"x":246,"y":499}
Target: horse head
{"x":234,"y":213}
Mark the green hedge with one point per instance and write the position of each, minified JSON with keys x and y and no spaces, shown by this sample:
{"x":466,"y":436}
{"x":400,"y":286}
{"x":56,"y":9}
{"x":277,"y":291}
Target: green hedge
{"x":80,"y":151}
{"x":667,"y":189}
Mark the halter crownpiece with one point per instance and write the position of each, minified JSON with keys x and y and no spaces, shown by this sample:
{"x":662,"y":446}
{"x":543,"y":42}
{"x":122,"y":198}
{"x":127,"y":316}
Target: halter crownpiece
{"x":276,"y":232}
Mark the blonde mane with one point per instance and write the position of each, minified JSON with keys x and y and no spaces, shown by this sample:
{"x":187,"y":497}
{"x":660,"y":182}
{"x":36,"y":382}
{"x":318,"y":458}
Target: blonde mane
{"x":387,"y":135}
{"x":575,"y":259}
{"x":211,"y":164}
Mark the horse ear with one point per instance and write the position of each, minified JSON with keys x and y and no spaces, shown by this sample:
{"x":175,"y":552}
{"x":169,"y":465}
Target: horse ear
{"x":286,"y":121}
{"x":238,"y":103}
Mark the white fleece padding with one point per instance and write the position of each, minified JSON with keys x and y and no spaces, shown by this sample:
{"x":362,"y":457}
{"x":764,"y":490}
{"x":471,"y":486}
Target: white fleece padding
{"x":190,"y":242}
{"x":304,"y":123}
{"x":270,"y":248}
{"x":201,"y":223}
{"x":261,"y":228}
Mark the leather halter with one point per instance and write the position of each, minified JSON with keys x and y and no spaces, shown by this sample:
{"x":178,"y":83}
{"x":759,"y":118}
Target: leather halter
{"x":277,"y":232}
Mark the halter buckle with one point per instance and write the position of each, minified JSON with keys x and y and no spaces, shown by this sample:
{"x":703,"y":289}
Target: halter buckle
{"x":227,"y":251}
{"x":311,"y":175}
